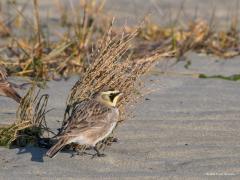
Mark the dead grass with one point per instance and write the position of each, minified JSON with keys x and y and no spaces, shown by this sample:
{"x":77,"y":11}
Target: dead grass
{"x":105,"y":58}
{"x":198,"y":36}
{"x":30,"y":124}
{"x":114,"y":67}
{"x":36,"y":56}
{"x":84,"y":25}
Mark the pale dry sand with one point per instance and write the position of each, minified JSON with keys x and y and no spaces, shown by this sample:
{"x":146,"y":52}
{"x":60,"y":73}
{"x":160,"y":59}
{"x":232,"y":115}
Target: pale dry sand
{"x":160,"y":11}
{"x":187,"y":129}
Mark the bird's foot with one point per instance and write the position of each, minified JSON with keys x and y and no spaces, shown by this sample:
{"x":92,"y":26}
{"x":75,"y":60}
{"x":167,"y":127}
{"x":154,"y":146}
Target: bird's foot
{"x":98,"y":154}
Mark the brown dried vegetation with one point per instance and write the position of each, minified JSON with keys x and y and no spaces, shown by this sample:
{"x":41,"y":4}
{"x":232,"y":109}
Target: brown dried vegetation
{"x":105,"y":57}
{"x":30,"y":124}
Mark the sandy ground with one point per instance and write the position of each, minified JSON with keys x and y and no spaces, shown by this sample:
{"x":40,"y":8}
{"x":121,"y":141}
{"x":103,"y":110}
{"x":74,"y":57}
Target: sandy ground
{"x":128,"y":12}
{"x":188,"y":128}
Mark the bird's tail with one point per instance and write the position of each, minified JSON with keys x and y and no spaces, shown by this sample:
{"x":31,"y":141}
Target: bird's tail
{"x":57,"y":147}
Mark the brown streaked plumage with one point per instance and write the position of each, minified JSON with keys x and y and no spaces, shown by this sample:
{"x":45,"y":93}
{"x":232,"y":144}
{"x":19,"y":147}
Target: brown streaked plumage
{"x":91,"y":121}
{"x":6,"y":88}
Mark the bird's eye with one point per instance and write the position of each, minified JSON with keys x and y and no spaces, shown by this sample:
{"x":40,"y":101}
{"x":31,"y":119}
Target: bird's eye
{"x":111,"y":96}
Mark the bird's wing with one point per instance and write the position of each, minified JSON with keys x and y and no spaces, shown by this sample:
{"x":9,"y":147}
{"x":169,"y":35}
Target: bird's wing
{"x":80,"y":106}
{"x":87,"y":116}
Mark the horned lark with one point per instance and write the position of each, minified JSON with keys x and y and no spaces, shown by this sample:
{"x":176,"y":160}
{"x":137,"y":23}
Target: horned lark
{"x":90,"y":122}
{"x":6,"y":88}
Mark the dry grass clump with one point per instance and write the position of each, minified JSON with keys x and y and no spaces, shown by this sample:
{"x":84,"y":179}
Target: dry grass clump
{"x":30,"y":124}
{"x":36,"y":56}
{"x":114,"y":67}
{"x":199,"y":36}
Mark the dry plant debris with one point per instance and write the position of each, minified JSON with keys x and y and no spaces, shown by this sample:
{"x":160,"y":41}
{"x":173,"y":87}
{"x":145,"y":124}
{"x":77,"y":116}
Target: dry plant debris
{"x":199,"y":36}
{"x":114,"y":67}
{"x":36,"y":56}
{"x":105,"y":58}
{"x":30,"y":124}
{"x":83,"y":26}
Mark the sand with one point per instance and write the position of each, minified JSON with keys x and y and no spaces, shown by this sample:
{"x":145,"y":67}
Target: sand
{"x":188,"y":128}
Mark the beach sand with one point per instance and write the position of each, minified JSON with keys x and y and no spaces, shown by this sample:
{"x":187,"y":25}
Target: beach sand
{"x":188,"y":128}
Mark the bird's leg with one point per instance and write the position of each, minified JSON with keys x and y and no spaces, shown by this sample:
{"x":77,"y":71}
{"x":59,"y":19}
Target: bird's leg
{"x":73,"y":154}
{"x":97,"y":153}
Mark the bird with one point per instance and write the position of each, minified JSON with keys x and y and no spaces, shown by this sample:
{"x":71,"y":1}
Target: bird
{"x":6,"y":88}
{"x":91,"y":121}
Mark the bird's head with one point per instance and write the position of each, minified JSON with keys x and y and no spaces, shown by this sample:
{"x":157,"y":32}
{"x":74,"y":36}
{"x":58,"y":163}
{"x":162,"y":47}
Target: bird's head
{"x":109,"y":98}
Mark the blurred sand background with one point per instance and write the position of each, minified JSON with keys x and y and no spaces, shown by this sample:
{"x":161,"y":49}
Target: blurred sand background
{"x":188,"y":128}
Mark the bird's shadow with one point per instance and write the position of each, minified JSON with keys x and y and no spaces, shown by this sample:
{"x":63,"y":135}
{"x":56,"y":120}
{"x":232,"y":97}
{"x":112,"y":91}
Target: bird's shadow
{"x":36,"y":152}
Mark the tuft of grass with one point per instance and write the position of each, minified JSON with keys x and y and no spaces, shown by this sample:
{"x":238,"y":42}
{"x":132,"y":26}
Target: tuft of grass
{"x":114,"y":67}
{"x":30,"y":124}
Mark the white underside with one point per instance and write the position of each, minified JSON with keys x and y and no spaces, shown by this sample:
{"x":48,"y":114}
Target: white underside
{"x":83,"y":141}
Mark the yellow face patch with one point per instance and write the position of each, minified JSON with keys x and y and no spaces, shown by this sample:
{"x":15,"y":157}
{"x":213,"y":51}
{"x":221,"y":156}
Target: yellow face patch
{"x":110,"y":98}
